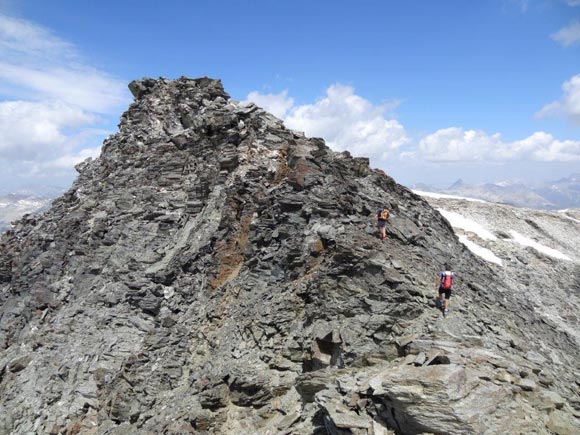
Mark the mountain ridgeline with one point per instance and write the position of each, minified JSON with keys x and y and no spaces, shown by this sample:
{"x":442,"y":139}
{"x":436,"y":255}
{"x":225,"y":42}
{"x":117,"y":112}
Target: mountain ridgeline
{"x":215,"y":272}
{"x":549,"y":195}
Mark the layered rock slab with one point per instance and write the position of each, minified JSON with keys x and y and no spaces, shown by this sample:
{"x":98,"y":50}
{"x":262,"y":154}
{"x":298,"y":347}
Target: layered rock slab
{"x":214,"y":272}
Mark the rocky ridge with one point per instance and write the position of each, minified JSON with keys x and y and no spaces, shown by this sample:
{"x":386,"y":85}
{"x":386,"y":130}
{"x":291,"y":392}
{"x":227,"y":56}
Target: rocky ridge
{"x":215,"y":272}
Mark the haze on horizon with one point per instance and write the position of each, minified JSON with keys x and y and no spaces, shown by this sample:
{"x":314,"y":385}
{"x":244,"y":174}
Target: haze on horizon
{"x":430,"y":91}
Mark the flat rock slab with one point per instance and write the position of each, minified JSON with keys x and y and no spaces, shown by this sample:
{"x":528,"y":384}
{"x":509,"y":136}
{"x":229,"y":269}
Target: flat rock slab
{"x":447,"y":399}
{"x":562,"y":423}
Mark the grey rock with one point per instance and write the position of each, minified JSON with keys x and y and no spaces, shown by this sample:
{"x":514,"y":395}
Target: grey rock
{"x":213,"y":271}
{"x":527,"y":384}
{"x":562,"y":423}
{"x":19,"y":364}
{"x":6,"y":422}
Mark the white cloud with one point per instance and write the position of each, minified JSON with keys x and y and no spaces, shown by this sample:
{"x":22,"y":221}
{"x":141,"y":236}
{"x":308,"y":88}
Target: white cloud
{"x":573,"y":2}
{"x":276,"y":104}
{"x":81,"y":86}
{"x":569,"y":35}
{"x":548,"y":149}
{"x":458,"y":145}
{"x":349,"y":122}
{"x":569,"y":103}
{"x":35,"y":64}
{"x":36,"y":130}
{"x":53,"y":171}
{"x":455,"y":144}
{"x":68,"y":161}
{"x":23,"y":38}
{"x":53,"y":99}
{"x":345,"y":120}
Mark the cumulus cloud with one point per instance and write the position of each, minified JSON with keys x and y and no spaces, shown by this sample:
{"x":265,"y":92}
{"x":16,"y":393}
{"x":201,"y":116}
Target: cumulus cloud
{"x":67,"y":161}
{"x":457,"y":144}
{"x":345,"y":120}
{"x":52,"y":98}
{"x":569,"y":35}
{"x":276,"y":104}
{"x":36,"y":130}
{"x":348,"y":121}
{"x":568,"y":105}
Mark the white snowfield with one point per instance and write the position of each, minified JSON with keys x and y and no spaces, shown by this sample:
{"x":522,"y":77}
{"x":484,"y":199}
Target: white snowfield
{"x":480,"y":251}
{"x":468,"y":225}
{"x":526,"y":241}
{"x":445,"y":196}
{"x":459,"y":221}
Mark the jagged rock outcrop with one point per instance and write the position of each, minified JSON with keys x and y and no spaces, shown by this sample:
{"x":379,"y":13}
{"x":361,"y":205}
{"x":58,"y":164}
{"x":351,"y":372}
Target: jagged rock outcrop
{"x":214,"y":272}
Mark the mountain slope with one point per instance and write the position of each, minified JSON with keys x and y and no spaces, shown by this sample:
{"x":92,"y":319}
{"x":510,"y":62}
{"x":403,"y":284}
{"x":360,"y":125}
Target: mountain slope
{"x":536,"y":251}
{"x":214,"y":272}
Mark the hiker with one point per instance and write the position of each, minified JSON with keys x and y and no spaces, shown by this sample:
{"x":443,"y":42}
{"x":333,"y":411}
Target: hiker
{"x":444,"y":285}
{"x":381,"y":218}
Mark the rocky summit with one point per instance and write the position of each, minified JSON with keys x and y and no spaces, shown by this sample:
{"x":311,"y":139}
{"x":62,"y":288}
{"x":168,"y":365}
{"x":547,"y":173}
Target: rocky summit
{"x":214,"y":272}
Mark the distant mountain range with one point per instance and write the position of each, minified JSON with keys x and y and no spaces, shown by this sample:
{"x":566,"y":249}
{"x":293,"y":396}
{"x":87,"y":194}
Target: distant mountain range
{"x":14,"y":206}
{"x":34,"y":190}
{"x":553,"y":195}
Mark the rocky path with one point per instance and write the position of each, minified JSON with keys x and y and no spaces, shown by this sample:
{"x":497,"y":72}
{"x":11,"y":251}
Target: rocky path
{"x":539,"y":250}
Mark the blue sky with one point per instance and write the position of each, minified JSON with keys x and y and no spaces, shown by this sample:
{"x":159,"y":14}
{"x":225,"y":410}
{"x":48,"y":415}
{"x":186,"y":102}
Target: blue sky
{"x":432,"y":91}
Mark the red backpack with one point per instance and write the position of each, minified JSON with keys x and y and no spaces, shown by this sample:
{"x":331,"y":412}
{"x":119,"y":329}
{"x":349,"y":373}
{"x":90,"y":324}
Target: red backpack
{"x":447,"y":280}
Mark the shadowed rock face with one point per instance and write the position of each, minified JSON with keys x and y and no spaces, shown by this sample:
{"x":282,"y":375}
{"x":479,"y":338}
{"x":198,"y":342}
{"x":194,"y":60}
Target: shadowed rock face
{"x":214,"y":272}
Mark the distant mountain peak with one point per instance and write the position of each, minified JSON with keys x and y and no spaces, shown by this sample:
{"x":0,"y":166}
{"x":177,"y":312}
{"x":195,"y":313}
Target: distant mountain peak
{"x":457,"y":184}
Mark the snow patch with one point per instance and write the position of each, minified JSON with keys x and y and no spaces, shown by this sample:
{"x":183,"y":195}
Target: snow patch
{"x":526,"y":241}
{"x":459,"y":221}
{"x":446,"y":196}
{"x":480,"y":251}
{"x":563,"y":212}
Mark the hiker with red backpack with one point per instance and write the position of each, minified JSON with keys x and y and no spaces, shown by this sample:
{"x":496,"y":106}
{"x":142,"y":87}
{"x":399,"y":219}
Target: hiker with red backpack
{"x":444,"y":285}
{"x":381,"y":219}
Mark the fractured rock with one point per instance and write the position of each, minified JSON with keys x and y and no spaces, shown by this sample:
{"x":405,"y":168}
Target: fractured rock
{"x":213,"y":271}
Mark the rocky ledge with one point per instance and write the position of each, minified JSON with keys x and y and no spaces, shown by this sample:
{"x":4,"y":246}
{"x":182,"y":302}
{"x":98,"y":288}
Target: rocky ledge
{"x":215,"y":272}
